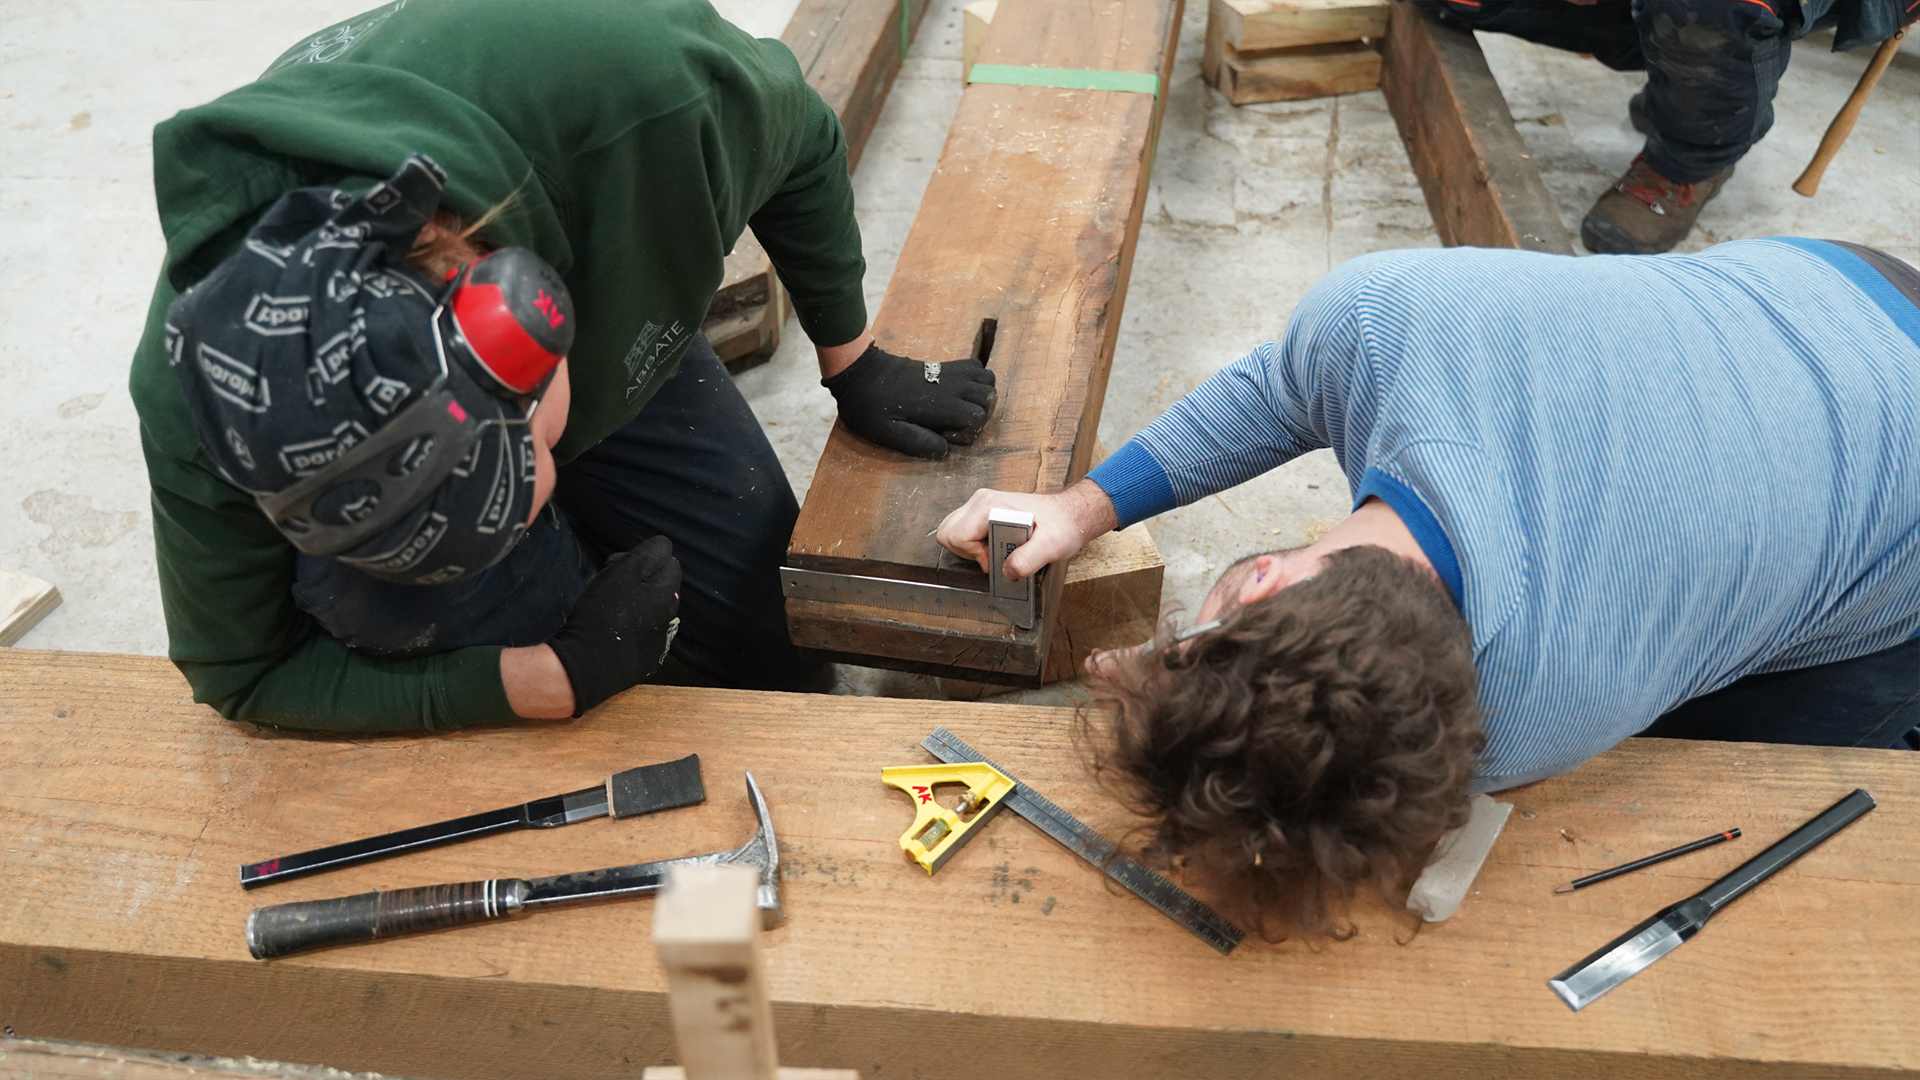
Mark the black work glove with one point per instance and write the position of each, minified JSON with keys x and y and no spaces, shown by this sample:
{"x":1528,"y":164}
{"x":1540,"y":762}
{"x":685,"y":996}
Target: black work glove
{"x":622,"y":625}
{"x":912,"y":407}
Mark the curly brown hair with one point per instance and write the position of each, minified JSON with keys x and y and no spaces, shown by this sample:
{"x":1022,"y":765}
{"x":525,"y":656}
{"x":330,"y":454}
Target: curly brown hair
{"x":1322,"y":738}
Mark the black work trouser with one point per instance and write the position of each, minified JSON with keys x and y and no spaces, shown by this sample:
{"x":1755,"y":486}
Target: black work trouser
{"x":694,"y":466}
{"x":1870,"y":701}
{"x":1712,"y":66}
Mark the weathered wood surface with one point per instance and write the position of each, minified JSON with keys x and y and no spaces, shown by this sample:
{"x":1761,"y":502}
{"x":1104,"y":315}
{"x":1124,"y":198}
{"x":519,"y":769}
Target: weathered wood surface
{"x":1030,"y":220}
{"x":124,"y":810}
{"x":1249,"y":25}
{"x":1480,"y":180}
{"x":850,"y":51}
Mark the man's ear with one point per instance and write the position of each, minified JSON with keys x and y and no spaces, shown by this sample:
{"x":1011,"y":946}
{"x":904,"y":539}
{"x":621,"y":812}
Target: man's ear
{"x":1269,"y":575}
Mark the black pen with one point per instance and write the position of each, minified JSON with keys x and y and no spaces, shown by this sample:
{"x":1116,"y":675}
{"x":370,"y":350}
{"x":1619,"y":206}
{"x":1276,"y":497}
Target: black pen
{"x":1627,"y":868}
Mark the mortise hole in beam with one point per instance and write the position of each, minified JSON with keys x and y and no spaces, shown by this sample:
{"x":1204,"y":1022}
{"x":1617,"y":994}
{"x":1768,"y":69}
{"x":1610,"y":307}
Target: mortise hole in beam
{"x":983,"y":341}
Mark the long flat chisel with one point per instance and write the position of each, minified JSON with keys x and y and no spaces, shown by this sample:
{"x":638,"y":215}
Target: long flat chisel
{"x":1166,"y":897}
{"x":644,"y":790}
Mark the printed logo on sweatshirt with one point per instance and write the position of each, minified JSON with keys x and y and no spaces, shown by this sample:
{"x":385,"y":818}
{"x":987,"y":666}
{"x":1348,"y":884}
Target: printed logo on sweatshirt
{"x":332,"y":43}
{"x":277,"y":254}
{"x":499,"y":505}
{"x":307,"y":458}
{"x":383,"y":394}
{"x":242,"y":453}
{"x":175,"y":342}
{"x":650,"y":352}
{"x":234,"y":380}
{"x":277,"y":316}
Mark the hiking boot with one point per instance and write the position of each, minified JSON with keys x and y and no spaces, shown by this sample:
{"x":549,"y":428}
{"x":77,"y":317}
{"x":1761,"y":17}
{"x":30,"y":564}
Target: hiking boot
{"x":1646,"y":213}
{"x":1637,"y":113}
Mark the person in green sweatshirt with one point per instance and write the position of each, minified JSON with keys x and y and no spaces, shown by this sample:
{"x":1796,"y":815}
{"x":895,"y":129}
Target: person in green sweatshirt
{"x":424,"y":402}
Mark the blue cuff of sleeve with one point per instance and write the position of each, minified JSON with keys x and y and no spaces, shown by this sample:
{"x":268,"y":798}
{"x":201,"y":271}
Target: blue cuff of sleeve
{"x":1420,"y":522}
{"x":1136,"y":483}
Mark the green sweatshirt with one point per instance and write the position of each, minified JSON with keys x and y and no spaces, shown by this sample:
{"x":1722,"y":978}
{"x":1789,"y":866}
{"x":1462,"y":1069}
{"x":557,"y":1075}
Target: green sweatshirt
{"x":636,"y":140}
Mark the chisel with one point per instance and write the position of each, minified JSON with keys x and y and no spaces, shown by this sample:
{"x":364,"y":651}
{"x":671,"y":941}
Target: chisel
{"x":644,"y":790}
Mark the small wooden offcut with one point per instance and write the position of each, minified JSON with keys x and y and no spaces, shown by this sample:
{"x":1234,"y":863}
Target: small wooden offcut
{"x":1285,"y":50}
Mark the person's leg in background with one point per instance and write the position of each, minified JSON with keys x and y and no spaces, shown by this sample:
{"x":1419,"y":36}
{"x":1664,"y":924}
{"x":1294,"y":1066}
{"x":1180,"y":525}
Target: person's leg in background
{"x":1603,"y":28}
{"x":1870,"y":701}
{"x":696,"y":467}
{"x":1713,"y":67}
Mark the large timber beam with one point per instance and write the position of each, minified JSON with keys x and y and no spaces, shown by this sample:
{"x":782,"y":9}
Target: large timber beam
{"x":125,"y":809}
{"x":1480,"y":180}
{"x":1023,"y":242}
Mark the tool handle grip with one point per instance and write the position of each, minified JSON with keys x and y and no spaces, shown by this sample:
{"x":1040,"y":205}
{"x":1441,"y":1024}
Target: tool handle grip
{"x":289,"y":928}
{"x":1787,"y":849}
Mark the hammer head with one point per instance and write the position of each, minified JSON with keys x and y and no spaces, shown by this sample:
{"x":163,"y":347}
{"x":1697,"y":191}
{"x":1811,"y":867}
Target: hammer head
{"x":762,"y":852}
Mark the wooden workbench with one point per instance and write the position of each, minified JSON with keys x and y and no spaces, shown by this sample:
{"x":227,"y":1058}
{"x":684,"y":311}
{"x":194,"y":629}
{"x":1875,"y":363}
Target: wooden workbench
{"x":125,"y":809}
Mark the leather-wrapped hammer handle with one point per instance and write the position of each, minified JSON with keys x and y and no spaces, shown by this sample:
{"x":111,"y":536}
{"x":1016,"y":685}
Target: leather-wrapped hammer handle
{"x":312,"y":924}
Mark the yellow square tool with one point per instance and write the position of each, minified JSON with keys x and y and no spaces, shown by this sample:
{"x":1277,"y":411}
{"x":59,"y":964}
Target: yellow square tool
{"x":937,"y":832}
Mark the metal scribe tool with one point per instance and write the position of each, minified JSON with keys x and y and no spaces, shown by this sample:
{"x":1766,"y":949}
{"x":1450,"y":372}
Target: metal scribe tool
{"x":1630,"y":953}
{"x":644,"y":790}
{"x":1166,"y":897}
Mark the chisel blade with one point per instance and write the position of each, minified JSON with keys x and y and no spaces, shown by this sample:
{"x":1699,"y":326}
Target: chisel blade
{"x":651,"y":788}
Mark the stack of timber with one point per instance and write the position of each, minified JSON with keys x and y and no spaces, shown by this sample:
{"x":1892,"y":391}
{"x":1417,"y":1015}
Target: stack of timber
{"x":1020,"y":255}
{"x":1479,"y":178}
{"x":850,"y":51}
{"x":126,"y":808}
{"x":1284,"y":50}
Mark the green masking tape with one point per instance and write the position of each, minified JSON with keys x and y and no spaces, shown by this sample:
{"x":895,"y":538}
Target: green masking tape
{"x":1134,"y":82}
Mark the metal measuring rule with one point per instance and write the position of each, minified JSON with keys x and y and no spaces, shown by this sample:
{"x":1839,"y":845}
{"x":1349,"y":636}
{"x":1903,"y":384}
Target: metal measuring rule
{"x":1015,"y":603}
{"x":1169,"y":899}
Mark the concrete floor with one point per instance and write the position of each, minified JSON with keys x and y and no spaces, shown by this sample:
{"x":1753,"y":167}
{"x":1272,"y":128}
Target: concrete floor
{"x":1249,"y":207}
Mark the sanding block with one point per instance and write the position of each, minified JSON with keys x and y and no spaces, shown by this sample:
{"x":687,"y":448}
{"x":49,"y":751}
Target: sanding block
{"x":1456,"y":861}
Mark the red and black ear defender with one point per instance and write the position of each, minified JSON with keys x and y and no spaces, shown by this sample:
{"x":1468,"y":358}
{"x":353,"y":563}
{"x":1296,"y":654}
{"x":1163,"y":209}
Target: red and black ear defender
{"x":515,"y":318}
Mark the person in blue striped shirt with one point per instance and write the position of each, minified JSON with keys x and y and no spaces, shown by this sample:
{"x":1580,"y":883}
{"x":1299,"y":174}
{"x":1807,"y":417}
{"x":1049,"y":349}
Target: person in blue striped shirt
{"x":1593,"y":498}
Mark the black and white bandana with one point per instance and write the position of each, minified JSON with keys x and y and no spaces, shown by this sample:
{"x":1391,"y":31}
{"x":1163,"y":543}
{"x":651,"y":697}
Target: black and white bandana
{"x":303,"y":344}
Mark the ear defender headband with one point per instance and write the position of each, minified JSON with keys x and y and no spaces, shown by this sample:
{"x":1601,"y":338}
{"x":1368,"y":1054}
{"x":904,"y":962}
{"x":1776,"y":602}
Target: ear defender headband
{"x":507,"y":321}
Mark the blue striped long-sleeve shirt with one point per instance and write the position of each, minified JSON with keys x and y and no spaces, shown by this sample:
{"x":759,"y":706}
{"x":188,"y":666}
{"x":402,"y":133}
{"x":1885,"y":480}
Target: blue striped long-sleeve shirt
{"x":1641,"y":477}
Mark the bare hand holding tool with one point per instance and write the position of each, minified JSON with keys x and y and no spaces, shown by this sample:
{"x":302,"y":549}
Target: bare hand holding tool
{"x":1063,"y":523}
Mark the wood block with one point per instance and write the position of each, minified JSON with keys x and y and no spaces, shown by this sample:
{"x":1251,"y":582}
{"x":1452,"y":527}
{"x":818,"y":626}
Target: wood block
{"x":1024,"y":239}
{"x":1480,"y":181}
{"x":706,"y":927}
{"x":1249,"y":25}
{"x":126,"y":808}
{"x":24,"y":601}
{"x":975,"y":18}
{"x":1292,"y":74}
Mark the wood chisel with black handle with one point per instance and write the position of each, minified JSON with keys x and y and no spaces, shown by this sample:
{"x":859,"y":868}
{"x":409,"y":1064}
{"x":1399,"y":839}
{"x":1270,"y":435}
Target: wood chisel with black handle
{"x":644,"y":790}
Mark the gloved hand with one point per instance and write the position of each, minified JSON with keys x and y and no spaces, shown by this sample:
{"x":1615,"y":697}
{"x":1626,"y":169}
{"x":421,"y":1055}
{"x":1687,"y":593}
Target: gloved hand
{"x":912,"y":407}
{"x":622,"y":625}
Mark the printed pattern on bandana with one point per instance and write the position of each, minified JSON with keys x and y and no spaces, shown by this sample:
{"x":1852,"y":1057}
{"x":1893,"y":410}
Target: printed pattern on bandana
{"x":300,"y":347}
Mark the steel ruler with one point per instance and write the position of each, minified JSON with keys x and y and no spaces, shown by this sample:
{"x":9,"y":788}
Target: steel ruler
{"x":1171,"y":900}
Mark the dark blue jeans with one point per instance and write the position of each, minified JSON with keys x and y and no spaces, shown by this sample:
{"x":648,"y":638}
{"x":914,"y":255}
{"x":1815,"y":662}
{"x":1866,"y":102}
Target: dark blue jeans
{"x":694,"y":466}
{"x":1869,"y":701}
{"x":1712,"y":65}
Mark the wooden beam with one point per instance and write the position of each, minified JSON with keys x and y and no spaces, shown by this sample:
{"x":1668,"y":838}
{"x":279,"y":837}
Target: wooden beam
{"x":1024,"y":238}
{"x":1480,"y":180}
{"x":850,"y":51}
{"x":1290,"y":74}
{"x":125,"y":809}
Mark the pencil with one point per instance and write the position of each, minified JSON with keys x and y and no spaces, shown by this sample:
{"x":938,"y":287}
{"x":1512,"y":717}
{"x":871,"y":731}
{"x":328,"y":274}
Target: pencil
{"x":1628,"y":868}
